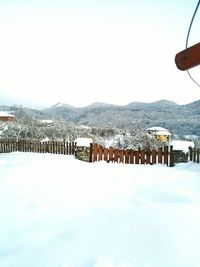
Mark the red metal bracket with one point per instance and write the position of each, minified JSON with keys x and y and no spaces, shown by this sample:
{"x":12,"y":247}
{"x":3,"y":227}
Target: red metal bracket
{"x":188,"y":58}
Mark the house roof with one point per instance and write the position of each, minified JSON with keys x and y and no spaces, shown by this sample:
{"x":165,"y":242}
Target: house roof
{"x":46,"y":121}
{"x":156,"y":128}
{"x":158,"y":131}
{"x":6,"y":114}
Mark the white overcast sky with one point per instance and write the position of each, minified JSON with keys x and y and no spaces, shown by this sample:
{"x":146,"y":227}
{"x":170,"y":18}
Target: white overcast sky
{"x":79,"y":52}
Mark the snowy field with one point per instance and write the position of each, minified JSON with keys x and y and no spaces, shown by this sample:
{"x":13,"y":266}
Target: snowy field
{"x":56,"y":211}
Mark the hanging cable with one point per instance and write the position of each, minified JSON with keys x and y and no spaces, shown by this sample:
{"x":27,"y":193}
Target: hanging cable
{"x":192,"y":78}
{"x":187,"y":39}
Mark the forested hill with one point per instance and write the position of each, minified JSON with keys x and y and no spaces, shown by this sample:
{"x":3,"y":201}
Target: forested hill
{"x":179,"y":119}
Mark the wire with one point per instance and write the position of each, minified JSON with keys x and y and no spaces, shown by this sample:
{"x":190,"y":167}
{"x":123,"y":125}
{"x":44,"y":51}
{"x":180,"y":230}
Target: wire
{"x":187,"y":39}
{"x":192,"y":78}
{"x":188,"y":34}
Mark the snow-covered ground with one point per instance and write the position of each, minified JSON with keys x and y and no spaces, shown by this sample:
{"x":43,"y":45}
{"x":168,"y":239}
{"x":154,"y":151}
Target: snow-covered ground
{"x":56,"y":211}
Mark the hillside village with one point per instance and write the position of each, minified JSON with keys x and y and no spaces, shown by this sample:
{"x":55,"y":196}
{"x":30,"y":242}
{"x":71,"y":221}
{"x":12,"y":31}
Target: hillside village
{"x":24,"y":123}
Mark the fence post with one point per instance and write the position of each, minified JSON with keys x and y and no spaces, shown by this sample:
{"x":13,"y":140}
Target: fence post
{"x":142,"y":156}
{"x":73,"y":148}
{"x":110,"y":154}
{"x":160,"y":155}
{"x":198,"y":152}
{"x":137,"y":156}
{"x":121,"y":156}
{"x":116,"y":154}
{"x":18,"y":145}
{"x":127,"y":156}
{"x":148,"y":154}
{"x":191,"y":153}
{"x":154,"y":156}
{"x":131,"y":156}
{"x":105,"y":153}
{"x":166,"y":155}
{"x":171,"y":159}
{"x":100,"y":152}
{"x":91,"y":152}
{"x":195,"y":154}
{"x":95,"y":151}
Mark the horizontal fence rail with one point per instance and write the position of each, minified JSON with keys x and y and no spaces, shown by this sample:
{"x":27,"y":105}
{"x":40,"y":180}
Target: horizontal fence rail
{"x":54,"y":147}
{"x":129,"y":156}
{"x":194,"y":154}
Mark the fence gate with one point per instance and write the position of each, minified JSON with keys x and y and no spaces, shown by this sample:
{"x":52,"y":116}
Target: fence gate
{"x":129,"y":156}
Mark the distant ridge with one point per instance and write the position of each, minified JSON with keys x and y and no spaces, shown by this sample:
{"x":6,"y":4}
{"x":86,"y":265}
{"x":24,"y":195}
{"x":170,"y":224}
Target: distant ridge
{"x":62,"y":105}
{"x":164,"y":102}
{"x":101,"y":105}
{"x":133,"y":104}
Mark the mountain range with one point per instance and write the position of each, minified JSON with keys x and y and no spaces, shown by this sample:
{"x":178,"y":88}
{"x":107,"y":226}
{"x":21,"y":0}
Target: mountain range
{"x":179,"y":119}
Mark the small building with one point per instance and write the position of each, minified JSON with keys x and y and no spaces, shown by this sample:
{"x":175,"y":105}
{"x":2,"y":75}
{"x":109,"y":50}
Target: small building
{"x":46,"y":122}
{"x":45,"y":140}
{"x":6,"y":117}
{"x":161,"y":134}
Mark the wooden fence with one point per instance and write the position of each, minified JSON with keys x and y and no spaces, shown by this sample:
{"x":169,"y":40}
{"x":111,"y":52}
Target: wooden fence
{"x":54,"y":147}
{"x":163,"y":155}
{"x":129,"y":156}
{"x":194,"y":154}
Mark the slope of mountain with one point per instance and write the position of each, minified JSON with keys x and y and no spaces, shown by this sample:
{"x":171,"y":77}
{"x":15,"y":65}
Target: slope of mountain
{"x":162,"y":104}
{"x":193,"y":107}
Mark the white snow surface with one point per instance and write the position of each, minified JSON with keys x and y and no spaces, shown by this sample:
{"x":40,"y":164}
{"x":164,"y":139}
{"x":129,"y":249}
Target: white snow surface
{"x":56,"y":211}
{"x":83,"y":141}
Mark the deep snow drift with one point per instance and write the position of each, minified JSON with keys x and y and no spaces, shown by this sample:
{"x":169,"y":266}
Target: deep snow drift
{"x":56,"y":211}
